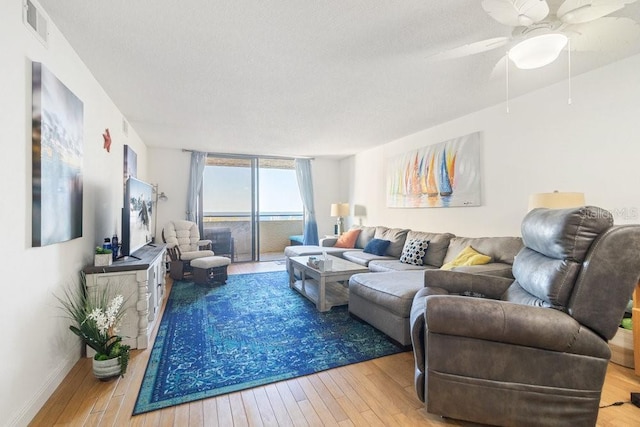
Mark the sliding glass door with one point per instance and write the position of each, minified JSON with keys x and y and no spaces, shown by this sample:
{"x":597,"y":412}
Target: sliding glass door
{"x":251,"y":206}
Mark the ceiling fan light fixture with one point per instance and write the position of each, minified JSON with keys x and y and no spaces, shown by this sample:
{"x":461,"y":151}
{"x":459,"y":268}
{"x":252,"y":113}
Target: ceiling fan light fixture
{"x":524,"y":20}
{"x":538,"y":51}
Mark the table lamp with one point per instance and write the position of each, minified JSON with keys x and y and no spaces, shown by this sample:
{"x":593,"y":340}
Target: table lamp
{"x":339,"y":210}
{"x":556,"y":200}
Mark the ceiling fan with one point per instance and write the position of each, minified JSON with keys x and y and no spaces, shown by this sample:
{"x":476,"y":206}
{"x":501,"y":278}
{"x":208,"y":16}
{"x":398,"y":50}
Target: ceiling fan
{"x":542,"y":29}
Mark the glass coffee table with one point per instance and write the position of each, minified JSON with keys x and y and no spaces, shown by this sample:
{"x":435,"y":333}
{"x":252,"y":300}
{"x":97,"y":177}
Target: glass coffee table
{"x":328,"y":288}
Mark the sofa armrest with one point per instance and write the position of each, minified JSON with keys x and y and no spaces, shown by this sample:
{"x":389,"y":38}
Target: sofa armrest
{"x":328,"y":241}
{"x":510,"y":323}
{"x":458,"y":282}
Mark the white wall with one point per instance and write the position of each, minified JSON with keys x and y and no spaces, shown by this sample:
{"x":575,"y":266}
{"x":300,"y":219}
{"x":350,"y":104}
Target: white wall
{"x":542,"y":145}
{"x":169,"y":168}
{"x":38,"y":348}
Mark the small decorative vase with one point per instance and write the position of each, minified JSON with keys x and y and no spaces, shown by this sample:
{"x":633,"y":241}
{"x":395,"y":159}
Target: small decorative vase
{"x":106,"y":369}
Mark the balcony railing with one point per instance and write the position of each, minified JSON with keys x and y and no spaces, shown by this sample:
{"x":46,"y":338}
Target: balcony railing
{"x":275,"y":229}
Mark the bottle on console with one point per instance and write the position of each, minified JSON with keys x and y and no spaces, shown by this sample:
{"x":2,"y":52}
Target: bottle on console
{"x":114,"y":246}
{"x":106,"y":244}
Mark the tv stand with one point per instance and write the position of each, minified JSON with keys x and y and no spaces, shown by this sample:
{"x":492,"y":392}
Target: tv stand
{"x":140,"y":279}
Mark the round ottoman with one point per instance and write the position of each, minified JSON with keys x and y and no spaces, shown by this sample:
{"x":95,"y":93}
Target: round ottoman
{"x":210,"y":269}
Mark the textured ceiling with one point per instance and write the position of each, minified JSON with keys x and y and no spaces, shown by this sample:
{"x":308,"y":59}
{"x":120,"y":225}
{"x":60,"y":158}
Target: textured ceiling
{"x":296,"y":77}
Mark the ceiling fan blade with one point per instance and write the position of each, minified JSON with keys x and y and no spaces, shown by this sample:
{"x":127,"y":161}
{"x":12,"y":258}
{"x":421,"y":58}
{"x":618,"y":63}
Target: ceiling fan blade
{"x":605,"y":34}
{"x":516,"y":12}
{"x":470,"y":49}
{"x":582,"y":11}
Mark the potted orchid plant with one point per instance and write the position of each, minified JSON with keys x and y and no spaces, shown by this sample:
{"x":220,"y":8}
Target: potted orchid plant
{"x":97,"y":319}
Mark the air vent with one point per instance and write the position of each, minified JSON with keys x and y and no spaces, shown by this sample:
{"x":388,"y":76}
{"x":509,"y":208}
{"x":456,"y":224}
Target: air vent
{"x":35,"y":21}
{"x":125,"y":127}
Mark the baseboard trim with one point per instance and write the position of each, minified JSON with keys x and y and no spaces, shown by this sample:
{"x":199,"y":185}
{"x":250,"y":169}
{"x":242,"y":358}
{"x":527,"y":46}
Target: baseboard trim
{"x":24,"y":416}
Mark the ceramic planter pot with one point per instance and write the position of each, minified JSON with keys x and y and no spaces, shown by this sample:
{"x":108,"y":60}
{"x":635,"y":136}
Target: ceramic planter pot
{"x":106,"y":369}
{"x":101,"y":260}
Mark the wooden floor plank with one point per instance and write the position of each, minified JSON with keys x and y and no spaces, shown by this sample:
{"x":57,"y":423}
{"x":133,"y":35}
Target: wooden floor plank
{"x":196,"y":415}
{"x":375,"y":399}
{"x":111,"y":411}
{"x":327,"y":398}
{"x":251,"y":408}
{"x":395,"y":367}
{"x":83,"y":402}
{"x":237,"y":410}
{"x":371,"y":419}
{"x":323,"y":411}
{"x":264,"y":406}
{"x":293,"y":409}
{"x":296,"y":390}
{"x":277,"y":404}
{"x":131,"y":387}
{"x":210,"y":412}
{"x":167,"y":416}
{"x":61,"y":397}
{"x":353,"y":414}
{"x":348,"y":390}
{"x":330,"y":384}
{"x":225,"y":417}
{"x":313,"y":420}
{"x":378,"y":392}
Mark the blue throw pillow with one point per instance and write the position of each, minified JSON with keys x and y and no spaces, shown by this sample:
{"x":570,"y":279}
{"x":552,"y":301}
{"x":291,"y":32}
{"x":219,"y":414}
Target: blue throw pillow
{"x":377,"y":247}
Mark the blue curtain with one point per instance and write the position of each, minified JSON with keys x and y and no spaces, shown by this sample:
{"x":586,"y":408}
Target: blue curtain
{"x":305,"y":183}
{"x":195,"y":184}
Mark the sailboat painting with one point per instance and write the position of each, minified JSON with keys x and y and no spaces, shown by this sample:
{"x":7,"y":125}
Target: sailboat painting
{"x":441,"y":175}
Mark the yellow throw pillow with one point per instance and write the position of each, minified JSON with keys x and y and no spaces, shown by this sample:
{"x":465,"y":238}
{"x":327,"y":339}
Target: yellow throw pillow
{"x":468,"y":256}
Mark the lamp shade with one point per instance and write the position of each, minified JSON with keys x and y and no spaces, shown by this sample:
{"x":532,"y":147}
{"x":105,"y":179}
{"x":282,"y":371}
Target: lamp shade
{"x":538,"y":51}
{"x":556,"y":200}
{"x":339,"y":209}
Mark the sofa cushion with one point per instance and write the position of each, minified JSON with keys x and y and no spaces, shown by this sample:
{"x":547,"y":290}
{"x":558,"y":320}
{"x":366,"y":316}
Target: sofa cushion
{"x":500,"y":249}
{"x":414,"y":251}
{"x":467,"y":257}
{"x":363,"y":258}
{"x":378,"y":265}
{"x":393,"y":291}
{"x":438,"y":244}
{"x":396,"y":236}
{"x":365,"y":235}
{"x":377,"y":247}
{"x":492,"y":269}
{"x":348,"y":239}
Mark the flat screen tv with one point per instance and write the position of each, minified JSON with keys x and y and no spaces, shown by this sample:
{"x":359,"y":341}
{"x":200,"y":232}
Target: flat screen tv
{"x":137,"y":216}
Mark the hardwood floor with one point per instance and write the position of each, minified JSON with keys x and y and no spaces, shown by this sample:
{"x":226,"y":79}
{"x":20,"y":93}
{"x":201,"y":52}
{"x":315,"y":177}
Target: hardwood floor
{"x":373,"y":393}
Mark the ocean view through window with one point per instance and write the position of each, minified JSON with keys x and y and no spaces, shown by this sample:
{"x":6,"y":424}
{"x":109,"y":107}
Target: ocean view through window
{"x":256,"y":200}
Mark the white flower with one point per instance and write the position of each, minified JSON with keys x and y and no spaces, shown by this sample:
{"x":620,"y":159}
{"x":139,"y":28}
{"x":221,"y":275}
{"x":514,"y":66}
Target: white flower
{"x":107,"y":319}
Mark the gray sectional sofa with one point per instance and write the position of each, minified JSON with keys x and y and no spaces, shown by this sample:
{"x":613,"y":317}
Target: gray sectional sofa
{"x":383,"y":296}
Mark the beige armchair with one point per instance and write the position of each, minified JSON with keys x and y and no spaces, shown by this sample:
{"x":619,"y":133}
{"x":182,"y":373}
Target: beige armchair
{"x":529,"y":351}
{"x":184,"y":245}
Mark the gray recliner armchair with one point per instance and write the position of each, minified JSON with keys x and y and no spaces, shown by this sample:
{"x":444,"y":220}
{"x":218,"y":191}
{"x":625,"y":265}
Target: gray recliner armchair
{"x":531,"y":351}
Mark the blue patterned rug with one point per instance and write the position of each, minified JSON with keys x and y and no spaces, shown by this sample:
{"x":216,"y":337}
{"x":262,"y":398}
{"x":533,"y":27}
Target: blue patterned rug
{"x":252,"y":331}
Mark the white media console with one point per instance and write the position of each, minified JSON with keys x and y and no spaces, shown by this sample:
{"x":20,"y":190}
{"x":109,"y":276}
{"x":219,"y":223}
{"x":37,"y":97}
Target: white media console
{"x":140,"y":279}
